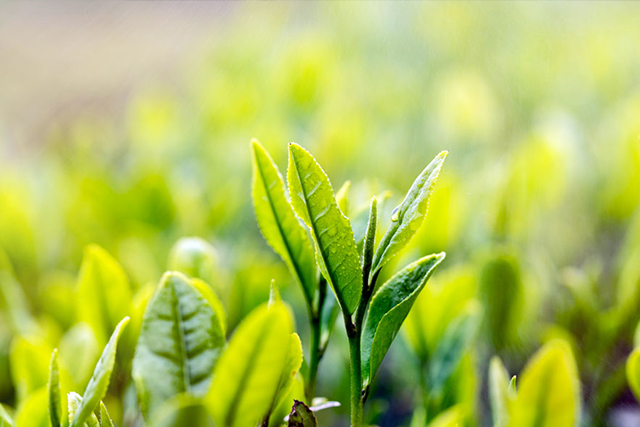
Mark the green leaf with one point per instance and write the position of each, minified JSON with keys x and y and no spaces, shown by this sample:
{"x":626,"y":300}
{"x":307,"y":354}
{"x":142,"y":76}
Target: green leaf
{"x":449,"y":351}
{"x":194,"y":257}
{"x":29,"y":359}
{"x":301,"y":416}
{"x":279,"y":224}
{"x":342,"y":198}
{"x":180,"y":340}
{"x":105,"y":418}
{"x":103,"y":293}
{"x":5,"y":418}
{"x":215,"y":303}
{"x":80,"y":350}
{"x":249,"y":371}
{"x":13,"y":300}
{"x":370,"y":238}
{"x":407,"y":218}
{"x":499,"y":393}
{"x":55,"y":406}
{"x":549,"y":390}
{"x":34,"y":411}
{"x":99,"y":383}
{"x":289,"y":371}
{"x":389,"y":307}
{"x":74,"y":400}
{"x":633,"y":372}
{"x":336,"y":253}
{"x":330,"y":312}
{"x":183,"y":410}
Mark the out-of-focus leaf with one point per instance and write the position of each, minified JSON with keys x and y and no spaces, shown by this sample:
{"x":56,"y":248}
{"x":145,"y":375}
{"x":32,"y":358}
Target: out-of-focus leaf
{"x":370,"y":239}
{"x":342,"y":198}
{"x":452,"y":417}
{"x":103,"y":294}
{"x":289,"y":371}
{"x":301,"y":416}
{"x":5,"y":418}
{"x":34,"y":411}
{"x":105,"y":418}
{"x":79,"y":352}
{"x":499,"y":392}
{"x":248,"y":373}
{"x":29,"y":360}
{"x":633,"y":372}
{"x":330,"y":312}
{"x":336,"y":253}
{"x":55,"y":405}
{"x":180,"y":341}
{"x":13,"y":300}
{"x":97,"y":387}
{"x":215,"y":303}
{"x":407,"y":218}
{"x":194,"y":257}
{"x":549,"y":390}
{"x":278,"y":223}
{"x":389,"y":307}
{"x":181,"y":411}
{"x":455,"y":341}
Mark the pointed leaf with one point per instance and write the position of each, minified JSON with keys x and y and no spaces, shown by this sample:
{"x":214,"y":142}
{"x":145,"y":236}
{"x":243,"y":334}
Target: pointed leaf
{"x":278,"y":223}
{"x":74,"y":400}
{"x":55,"y":405}
{"x":301,"y":416}
{"x":389,"y":307}
{"x":180,"y":341}
{"x":103,"y":293}
{"x":549,"y":391}
{"x":291,"y":368}
{"x":336,"y":253}
{"x":97,"y":387}
{"x":370,"y":239}
{"x":249,"y":371}
{"x":499,"y":392}
{"x":409,"y":215}
{"x":105,"y":418}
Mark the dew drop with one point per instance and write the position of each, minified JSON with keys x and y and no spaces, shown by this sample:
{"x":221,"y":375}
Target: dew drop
{"x":394,"y":214}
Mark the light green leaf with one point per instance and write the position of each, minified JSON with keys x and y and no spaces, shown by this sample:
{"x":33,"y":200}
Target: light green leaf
{"x":103,"y":293}
{"x":330,"y":312}
{"x":74,"y":400}
{"x":389,"y":307}
{"x":13,"y":300}
{"x":79,"y":350}
{"x":291,"y":368}
{"x":370,"y":239}
{"x":336,"y":253}
{"x":342,"y":198}
{"x":409,"y":215}
{"x":633,"y":372}
{"x":302,"y":416}
{"x":549,"y":390}
{"x":215,"y":303}
{"x":55,"y":406}
{"x":29,"y":359}
{"x":34,"y":411}
{"x":452,"y":417}
{"x":105,"y":418}
{"x":249,"y":371}
{"x":5,"y":418}
{"x":181,"y":411}
{"x":279,"y":224}
{"x":449,"y":351}
{"x":99,"y":382}
{"x":180,"y":341}
{"x":194,"y":257}
{"x":499,"y":392}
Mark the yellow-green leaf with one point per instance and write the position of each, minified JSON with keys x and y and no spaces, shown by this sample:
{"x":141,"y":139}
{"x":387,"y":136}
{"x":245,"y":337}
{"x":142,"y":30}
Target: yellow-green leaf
{"x":5,"y":418}
{"x":33,"y":411}
{"x":278,"y":223}
{"x":499,"y":394}
{"x":29,"y":359}
{"x":181,"y":411}
{"x":249,"y":371}
{"x":55,"y":405}
{"x":633,"y":372}
{"x":336,"y":252}
{"x":105,"y":418}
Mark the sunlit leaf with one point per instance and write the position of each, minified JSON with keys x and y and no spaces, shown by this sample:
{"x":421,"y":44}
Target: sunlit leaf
{"x":79,"y":352}
{"x":105,"y":418}
{"x":55,"y":405}
{"x":181,"y":411}
{"x":279,"y":224}
{"x":389,"y":308}
{"x":97,"y":387}
{"x":499,"y":394}
{"x":180,"y":341}
{"x":34,"y":411}
{"x":407,"y":218}
{"x":29,"y":360}
{"x":336,"y":253}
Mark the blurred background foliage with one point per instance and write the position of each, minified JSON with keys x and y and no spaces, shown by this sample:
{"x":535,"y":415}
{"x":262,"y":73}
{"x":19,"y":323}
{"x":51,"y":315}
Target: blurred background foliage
{"x":537,"y":206}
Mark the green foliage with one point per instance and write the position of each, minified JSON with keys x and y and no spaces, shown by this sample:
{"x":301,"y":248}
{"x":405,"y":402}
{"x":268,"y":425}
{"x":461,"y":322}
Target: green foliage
{"x":55,"y":405}
{"x":633,"y":372}
{"x":301,"y":416}
{"x":313,"y":200}
{"x":180,"y":341}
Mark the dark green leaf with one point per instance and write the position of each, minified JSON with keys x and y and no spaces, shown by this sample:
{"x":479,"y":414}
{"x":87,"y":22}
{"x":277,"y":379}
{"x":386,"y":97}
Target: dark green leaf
{"x":301,"y":416}
{"x":389,"y":307}
{"x":336,"y":253}
{"x":407,"y":218}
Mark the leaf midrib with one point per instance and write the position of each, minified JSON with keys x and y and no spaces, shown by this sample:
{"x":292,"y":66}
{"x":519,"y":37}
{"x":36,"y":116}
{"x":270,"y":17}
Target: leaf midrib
{"x":186,"y":372}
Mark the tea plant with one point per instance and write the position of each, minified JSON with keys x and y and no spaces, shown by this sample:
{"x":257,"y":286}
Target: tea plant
{"x":372,"y":314}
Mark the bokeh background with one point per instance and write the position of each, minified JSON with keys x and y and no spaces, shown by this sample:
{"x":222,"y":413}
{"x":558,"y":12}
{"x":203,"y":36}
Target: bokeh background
{"x":128,"y":125}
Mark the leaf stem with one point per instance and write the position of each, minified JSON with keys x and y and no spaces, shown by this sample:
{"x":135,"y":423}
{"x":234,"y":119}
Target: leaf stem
{"x":314,"y":363}
{"x":356,"y":402}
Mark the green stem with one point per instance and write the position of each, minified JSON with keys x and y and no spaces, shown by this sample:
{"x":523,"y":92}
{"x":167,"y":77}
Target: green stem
{"x":355,"y":375}
{"x":314,"y":362}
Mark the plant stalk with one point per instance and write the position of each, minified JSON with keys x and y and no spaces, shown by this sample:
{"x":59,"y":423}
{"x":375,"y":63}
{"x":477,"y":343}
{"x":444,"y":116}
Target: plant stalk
{"x":314,"y":360}
{"x":355,"y":375}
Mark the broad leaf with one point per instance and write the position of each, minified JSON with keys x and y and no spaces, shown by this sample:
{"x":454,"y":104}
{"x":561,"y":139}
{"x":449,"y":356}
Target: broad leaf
{"x":301,"y":416}
{"x":549,"y":390}
{"x":215,"y":303}
{"x":180,"y":340}
{"x":279,"y":224}
{"x":55,"y":405}
{"x":389,"y":307}
{"x":499,"y":394}
{"x":183,"y":410}
{"x":336,"y":252}
{"x":289,"y":371}
{"x":449,"y":351}
{"x":5,"y":418}
{"x":249,"y":371}
{"x":99,"y":383}
{"x":633,"y":373}
{"x":103,"y":293}
{"x":407,"y":218}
